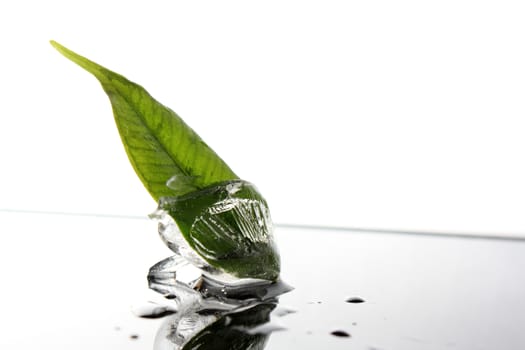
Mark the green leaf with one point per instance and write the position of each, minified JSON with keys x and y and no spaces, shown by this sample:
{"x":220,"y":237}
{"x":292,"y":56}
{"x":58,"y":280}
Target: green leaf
{"x":224,"y":219}
{"x":159,"y":145}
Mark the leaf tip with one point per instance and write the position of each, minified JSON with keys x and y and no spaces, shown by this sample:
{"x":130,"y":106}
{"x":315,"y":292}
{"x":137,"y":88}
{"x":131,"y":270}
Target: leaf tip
{"x":58,"y":46}
{"x":83,"y":62}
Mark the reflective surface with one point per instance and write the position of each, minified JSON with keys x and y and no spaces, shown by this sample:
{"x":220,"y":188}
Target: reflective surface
{"x":244,"y":329}
{"x":71,"y":281}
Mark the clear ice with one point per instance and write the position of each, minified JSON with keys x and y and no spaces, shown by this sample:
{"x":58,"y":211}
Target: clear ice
{"x":225,"y":254}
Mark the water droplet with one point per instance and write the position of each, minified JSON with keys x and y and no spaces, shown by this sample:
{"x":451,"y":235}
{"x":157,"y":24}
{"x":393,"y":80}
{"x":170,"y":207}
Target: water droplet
{"x":170,"y":296}
{"x":341,"y":334}
{"x":355,"y":300}
{"x":181,"y":183}
{"x":153,"y":310}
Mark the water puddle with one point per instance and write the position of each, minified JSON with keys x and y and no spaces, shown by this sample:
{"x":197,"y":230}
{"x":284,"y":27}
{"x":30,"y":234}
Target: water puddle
{"x":201,"y":311}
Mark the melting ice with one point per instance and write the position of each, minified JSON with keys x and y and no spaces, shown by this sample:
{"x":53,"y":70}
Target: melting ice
{"x":223,"y":282}
{"x":226,"y":258}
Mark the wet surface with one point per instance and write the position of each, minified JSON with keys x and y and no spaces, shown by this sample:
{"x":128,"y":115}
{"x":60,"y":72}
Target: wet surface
{"x":72,"y":282}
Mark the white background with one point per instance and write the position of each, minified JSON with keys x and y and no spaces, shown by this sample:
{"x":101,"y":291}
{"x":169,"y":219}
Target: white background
{"x":383,"y":114}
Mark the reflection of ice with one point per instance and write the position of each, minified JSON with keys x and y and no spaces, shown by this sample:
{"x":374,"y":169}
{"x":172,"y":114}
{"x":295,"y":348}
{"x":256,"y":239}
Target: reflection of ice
{"x":239,"y":329}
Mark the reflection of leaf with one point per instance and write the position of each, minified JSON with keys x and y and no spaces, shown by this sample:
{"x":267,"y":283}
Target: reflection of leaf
{"x":157,"y":141}
{"x":232,"y":331}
